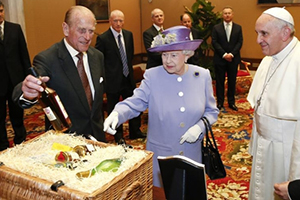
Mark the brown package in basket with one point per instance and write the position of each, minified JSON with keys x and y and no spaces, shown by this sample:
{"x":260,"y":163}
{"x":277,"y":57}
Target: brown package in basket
{"x":132,"y":183}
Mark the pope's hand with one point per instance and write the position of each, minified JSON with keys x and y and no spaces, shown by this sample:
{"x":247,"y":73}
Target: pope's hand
{"x":191,"y":135}
{"x":111,"y":122}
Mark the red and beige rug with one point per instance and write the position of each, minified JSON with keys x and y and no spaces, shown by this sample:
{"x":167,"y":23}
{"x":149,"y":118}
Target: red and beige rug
{"x":232,"y":132}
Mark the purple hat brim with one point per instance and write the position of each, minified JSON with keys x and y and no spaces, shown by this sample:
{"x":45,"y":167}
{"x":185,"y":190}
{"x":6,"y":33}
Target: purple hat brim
{"x":176,"y":46}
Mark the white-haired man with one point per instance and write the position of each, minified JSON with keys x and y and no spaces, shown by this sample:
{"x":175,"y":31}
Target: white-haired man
{"x":157,"y":17}
{"x":275,"y":96}
{"x":117,"y":46}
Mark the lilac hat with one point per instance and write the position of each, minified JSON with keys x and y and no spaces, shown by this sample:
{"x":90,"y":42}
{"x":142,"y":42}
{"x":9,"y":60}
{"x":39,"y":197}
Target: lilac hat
{"x":174,"y":39}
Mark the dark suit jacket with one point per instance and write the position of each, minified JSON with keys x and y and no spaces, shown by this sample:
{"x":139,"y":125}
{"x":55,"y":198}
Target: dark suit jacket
{"x":107,"y":44}
{"x":57,"y":63}
{"x":196,"y":33}
{"x":294,"y":189}
{"x":222,"y":46}
{"x":14,"y":57}
{"x":195,"y":58}
{"x":154,"y":58}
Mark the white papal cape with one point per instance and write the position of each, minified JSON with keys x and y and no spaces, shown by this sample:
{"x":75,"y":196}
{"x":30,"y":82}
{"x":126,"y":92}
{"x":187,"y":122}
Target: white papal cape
{"x":275,"y":140}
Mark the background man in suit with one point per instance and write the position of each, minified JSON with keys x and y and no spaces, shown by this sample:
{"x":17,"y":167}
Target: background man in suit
{"x":227,"y":40}
{"x":14,"y":62}
{"x":186,"y":21}
{"x":118,"y":68}
{"x":154,"y":58}
{"x":57,"y":66}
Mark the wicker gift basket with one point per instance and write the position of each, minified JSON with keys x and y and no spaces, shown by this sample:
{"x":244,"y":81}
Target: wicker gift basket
{"x":132,"y":183}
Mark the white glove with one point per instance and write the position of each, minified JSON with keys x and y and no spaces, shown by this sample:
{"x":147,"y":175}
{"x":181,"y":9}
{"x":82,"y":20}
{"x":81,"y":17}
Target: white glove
{"x":191,"y":135}
{"x":111,"y":122}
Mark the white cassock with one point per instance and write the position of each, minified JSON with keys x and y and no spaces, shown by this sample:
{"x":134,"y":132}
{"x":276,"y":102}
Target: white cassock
{"x":274,"y":144}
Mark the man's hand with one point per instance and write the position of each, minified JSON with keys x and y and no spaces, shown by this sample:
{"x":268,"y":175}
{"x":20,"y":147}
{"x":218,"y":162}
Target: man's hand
{"x":228,"y":57}
{"x":281,"y":189}
{"x":31,"y":86}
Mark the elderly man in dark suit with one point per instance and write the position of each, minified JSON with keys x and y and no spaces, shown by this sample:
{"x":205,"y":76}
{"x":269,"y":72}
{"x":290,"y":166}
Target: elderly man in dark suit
{"x":154,"y":58}
{"x":186,"y":21}
{"x":227,"y":40}
{"x":14,"y":62}
{"x":58,"y":68}
{"x":117,"y":46}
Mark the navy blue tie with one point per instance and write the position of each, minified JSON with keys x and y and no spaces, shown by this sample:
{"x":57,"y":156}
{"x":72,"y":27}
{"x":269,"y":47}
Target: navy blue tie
{"x":123,"y":57}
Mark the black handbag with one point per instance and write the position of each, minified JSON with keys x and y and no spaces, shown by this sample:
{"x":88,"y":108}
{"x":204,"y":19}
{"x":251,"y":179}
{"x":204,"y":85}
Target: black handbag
{"x":211,"y":158}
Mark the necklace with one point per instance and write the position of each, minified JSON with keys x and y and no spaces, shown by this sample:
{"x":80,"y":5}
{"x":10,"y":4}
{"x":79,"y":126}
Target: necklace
{"x":267,"y":80}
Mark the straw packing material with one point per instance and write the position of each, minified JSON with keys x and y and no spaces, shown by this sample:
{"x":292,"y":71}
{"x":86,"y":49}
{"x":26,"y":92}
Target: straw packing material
{"x":37,"y":158}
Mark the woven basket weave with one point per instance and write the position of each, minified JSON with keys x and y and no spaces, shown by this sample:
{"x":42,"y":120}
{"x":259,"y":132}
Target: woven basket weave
{"x":135,"y":183}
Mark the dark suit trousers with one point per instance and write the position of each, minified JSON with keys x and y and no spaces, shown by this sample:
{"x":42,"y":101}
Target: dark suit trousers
{"x":113,"y":99}
{"x":294,"y":189}
{"x":16,"y":117}
{"x":220,"y":73}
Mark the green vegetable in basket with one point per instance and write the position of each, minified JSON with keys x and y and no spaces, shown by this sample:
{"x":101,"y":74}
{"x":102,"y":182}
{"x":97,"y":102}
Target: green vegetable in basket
{"x":105,"y":166}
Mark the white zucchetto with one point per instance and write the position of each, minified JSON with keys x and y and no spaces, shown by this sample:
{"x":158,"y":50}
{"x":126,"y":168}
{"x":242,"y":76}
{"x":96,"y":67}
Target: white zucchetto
{"x":280,"y":13}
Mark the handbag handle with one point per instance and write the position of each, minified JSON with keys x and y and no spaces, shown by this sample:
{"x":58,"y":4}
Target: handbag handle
{"x":209,"y":129}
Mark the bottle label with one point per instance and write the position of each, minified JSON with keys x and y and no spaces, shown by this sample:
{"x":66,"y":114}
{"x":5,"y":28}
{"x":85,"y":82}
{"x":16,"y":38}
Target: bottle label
{"x":90,"y":147}
{"x":49,"y":113}
{"x":61,"y":106}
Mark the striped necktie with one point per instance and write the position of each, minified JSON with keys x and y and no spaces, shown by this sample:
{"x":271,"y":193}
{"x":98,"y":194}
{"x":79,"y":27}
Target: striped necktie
{"x":123,"y":57}
{"x":84,"y":79}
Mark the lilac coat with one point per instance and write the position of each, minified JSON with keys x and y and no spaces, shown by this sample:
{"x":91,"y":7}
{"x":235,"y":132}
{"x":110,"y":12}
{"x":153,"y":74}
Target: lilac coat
{"x":175,"y":103}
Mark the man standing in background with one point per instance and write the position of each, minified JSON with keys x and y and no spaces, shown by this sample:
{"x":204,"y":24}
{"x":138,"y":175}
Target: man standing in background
{"x":14,"y":63}
{"x":186,"y":21}
{"x":154,"y":58}
{"x":117,"y":46}
{"x":227,"y":40}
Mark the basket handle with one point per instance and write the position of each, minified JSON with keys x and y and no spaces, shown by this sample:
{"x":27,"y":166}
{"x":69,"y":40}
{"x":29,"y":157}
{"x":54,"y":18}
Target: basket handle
{"x":136,"y":185}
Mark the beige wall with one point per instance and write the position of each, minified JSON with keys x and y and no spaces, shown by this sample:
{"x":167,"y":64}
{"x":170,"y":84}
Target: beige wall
{"x":44,"y":18}
{"x":44,"y":22}
{"x":245,"y":13}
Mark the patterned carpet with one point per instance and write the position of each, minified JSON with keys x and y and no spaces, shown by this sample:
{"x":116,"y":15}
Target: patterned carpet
{"x":232,"y":132}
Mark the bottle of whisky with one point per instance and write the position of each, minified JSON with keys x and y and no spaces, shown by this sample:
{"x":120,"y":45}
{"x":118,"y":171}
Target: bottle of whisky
{"x":53,"y":107}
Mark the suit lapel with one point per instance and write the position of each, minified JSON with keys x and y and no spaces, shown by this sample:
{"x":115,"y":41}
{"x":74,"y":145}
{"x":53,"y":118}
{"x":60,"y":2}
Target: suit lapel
{"x":7,"y":31}
{"x":95,"y":74}
{"x":126,"y":41}
{"x":155,"y":31}
{"x":193,"y":33}
{"x":114,"y":43}
{"x":68,"y":66}
{"x":233,"y":30}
